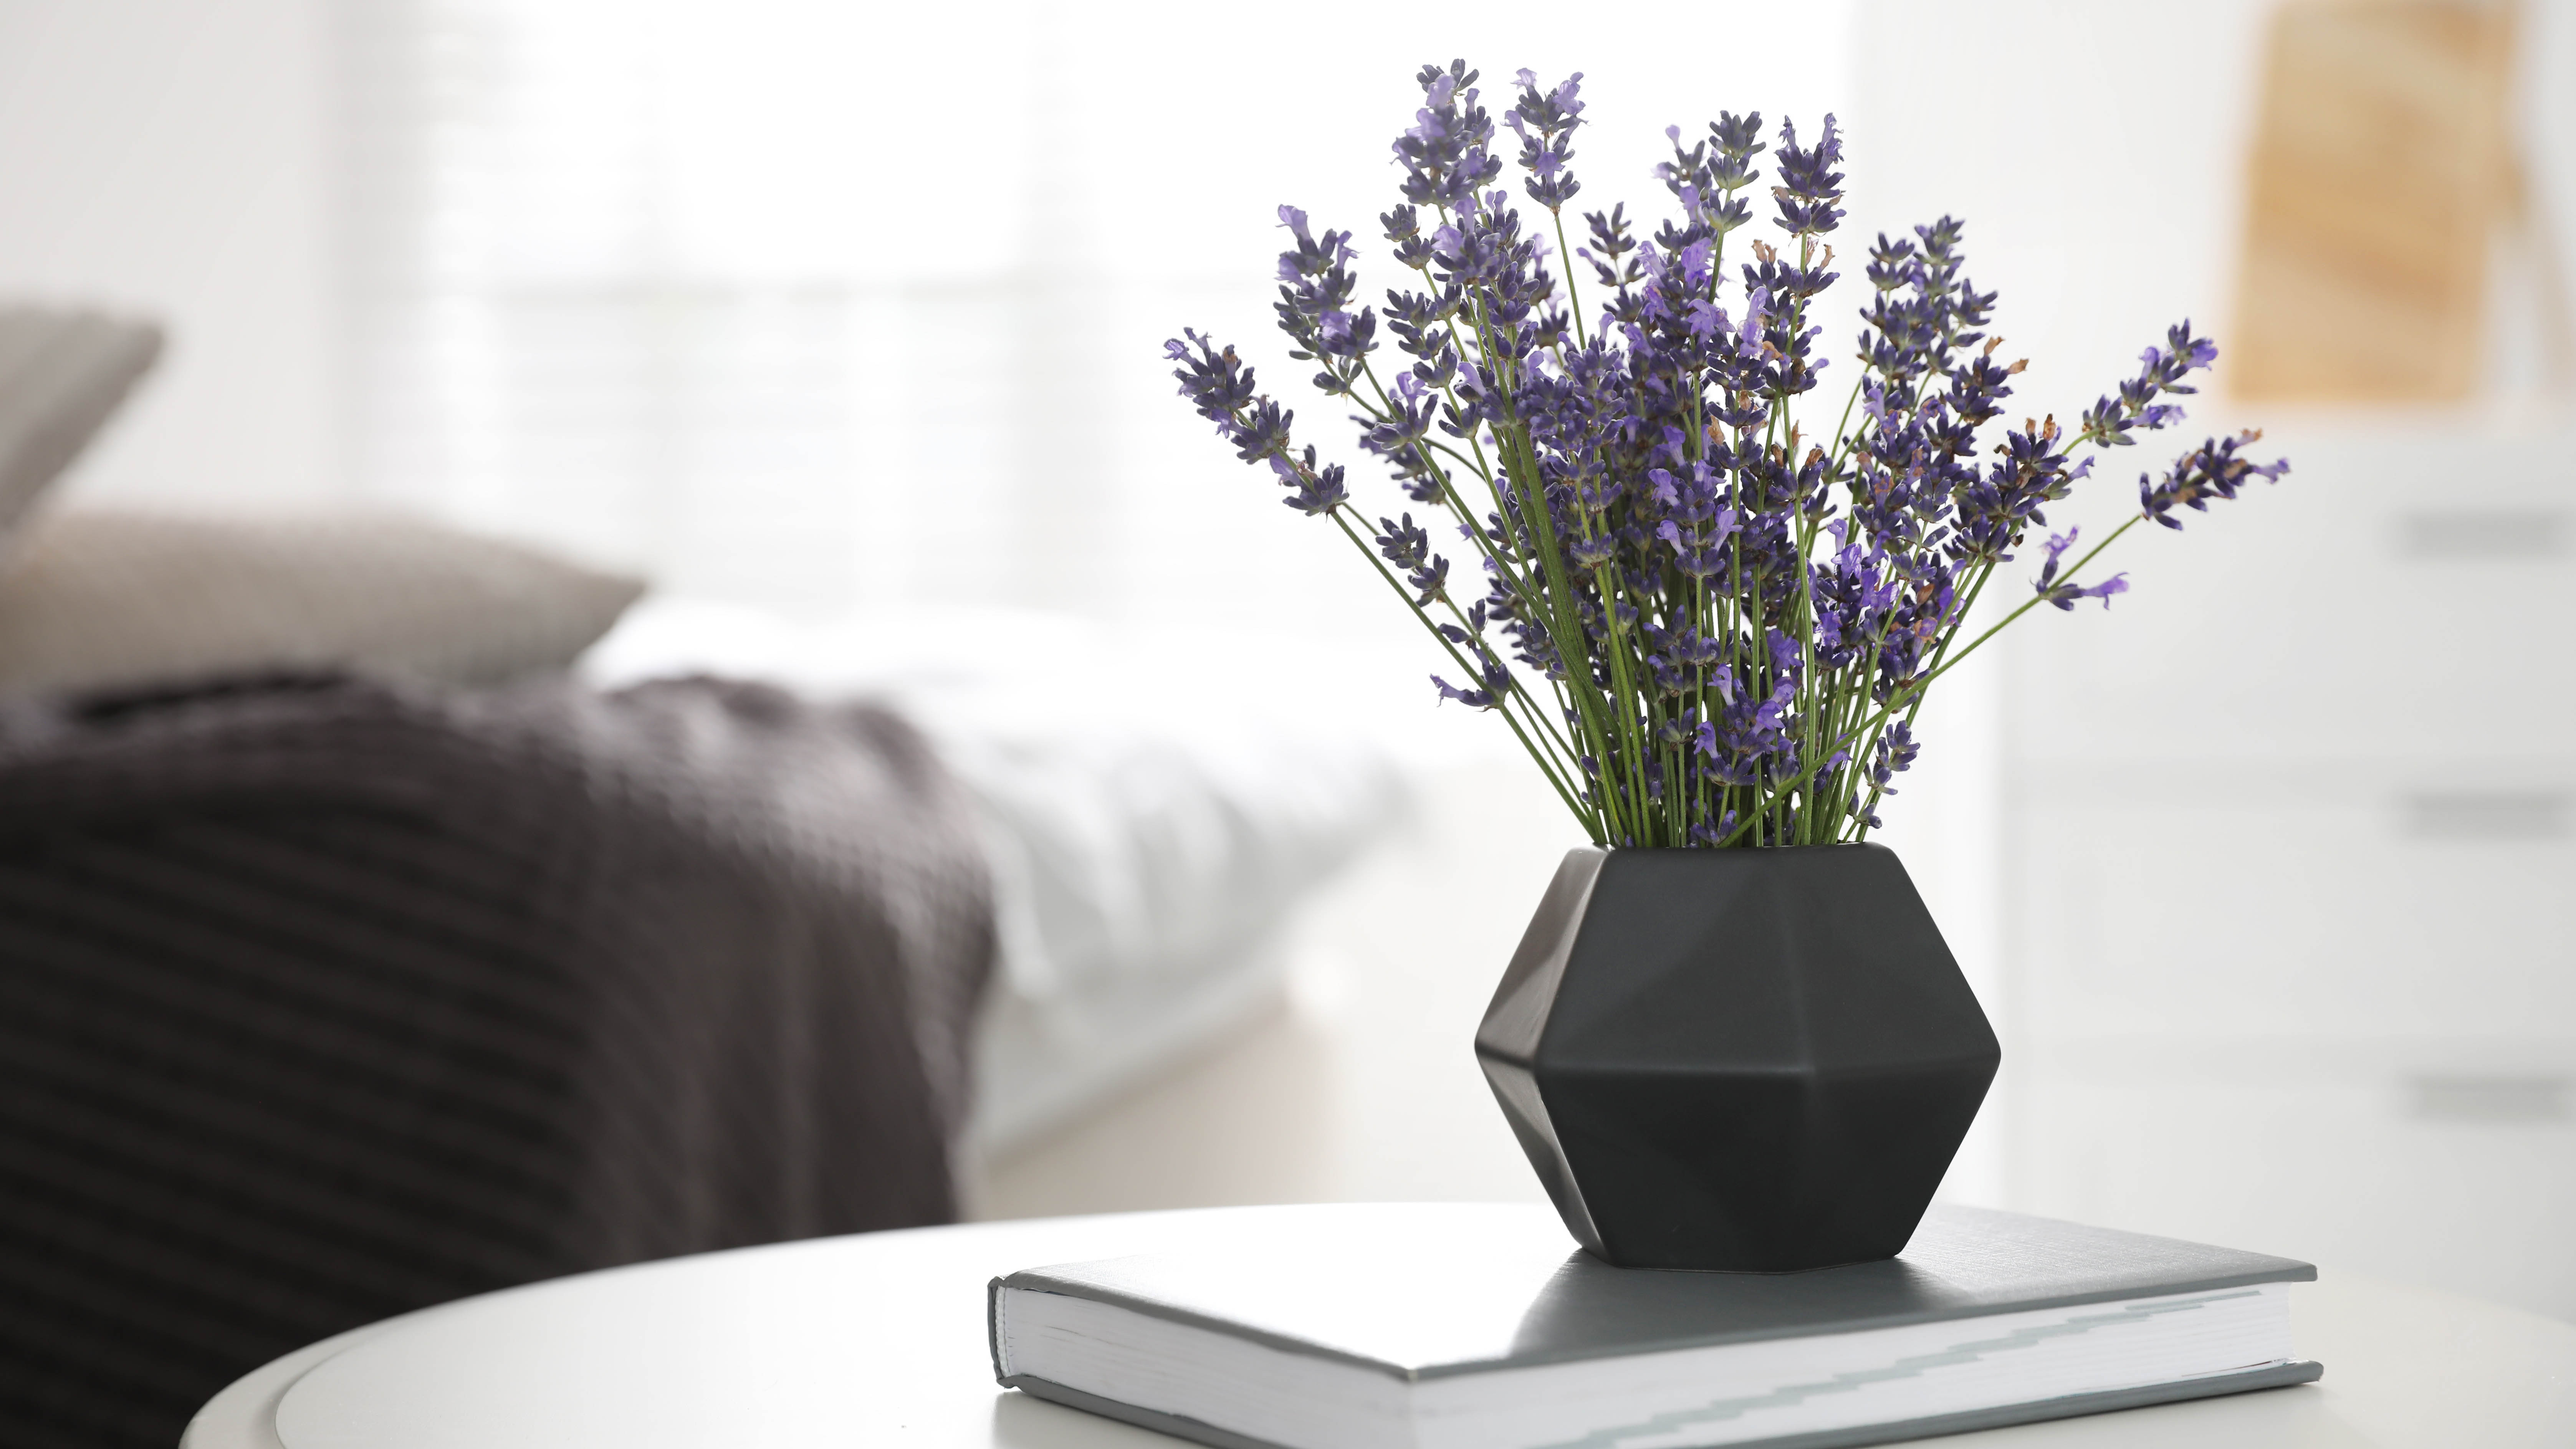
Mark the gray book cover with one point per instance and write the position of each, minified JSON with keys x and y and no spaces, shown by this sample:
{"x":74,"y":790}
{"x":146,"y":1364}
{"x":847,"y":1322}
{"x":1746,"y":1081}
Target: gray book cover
{"x":1423,"y":1291}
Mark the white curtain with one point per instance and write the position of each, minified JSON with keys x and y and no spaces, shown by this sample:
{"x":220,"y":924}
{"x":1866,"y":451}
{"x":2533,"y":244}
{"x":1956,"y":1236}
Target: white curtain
{"x":821,"y":304}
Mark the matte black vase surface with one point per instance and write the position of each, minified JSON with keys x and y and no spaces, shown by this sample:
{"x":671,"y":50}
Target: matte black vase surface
{"x":1739,"y":1060}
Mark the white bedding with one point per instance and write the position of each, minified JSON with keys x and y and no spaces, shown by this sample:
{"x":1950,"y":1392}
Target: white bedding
{"x":1154,"y":807}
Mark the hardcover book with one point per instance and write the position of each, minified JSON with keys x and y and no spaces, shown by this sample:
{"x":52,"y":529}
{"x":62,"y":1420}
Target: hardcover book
{"x":1479,"y":1326}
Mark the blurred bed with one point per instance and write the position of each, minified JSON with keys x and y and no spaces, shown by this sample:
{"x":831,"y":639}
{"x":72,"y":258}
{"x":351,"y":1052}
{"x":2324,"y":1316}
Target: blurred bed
{"x":359,"y":950}
{"x":1150,"y":836}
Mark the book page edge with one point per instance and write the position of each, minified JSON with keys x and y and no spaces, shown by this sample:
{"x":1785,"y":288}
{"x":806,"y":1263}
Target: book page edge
{"x":2269,"y":1376}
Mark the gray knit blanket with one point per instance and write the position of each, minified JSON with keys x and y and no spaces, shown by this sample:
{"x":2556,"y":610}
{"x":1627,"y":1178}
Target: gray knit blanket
{"x":324,"y":1000}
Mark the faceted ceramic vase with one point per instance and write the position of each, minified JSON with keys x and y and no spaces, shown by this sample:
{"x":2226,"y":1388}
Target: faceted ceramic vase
{"x":1739,"y":1060}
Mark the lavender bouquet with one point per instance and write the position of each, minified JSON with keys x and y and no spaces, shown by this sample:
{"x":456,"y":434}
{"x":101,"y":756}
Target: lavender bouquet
{"x":1724,"y":618}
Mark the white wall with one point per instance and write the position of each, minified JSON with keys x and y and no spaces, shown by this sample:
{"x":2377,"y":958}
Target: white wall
{"x":2286,"y":838}
{"x":172,"y":158}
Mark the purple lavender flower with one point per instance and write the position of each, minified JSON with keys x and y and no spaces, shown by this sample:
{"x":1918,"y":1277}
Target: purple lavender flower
{"x":1809,"y":186}
{"x":1496,"y":686}
{"x":1719,"y":620}
{"x":1407,"y":547}
{"x":1445,"y":155}
{"x":2136,"y":405}
{"x":2212,"y":470}
{"x":2067,"y":594}
{"x":1545,"y":122}
{"x":1312,"y":488}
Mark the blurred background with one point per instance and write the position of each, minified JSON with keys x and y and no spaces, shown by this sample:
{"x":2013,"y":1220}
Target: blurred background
{"x":816,"y":310}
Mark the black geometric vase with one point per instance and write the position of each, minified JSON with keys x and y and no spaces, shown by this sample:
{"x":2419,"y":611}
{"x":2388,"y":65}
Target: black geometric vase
{"x":1738,"y":1060}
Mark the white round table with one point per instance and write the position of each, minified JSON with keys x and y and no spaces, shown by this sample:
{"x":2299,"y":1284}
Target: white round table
{"x":879,"y":1339}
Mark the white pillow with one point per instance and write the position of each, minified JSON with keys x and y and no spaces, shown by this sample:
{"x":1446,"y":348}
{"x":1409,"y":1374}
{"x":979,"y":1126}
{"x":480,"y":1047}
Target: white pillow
{"x":99,"y":597}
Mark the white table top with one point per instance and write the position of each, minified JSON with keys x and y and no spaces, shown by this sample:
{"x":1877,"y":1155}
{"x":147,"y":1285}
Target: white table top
{"x":879,"y":1339}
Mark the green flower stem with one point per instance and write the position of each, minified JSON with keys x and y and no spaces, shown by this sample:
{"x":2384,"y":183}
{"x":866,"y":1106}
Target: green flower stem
{"x":1843,"y":436}
{"x":1579,"y":693}
{"x":1475,"y":671}
{"x":1949,"y":634}
{"x":1449,"y":494}
{"x":1569,"y":636}
{"x":1547,"y":732}
{"x":1813,"y":710}
{"x":1630,"y":698}
{"x":1459,"y":344}
{"x":1520,"y":470}
{"x":1699,"y":687}
{"x":1565,"y":260}
{"x":1501,"y":556}
{"x":1924,"y":681}
{"x":1914,"y":688}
